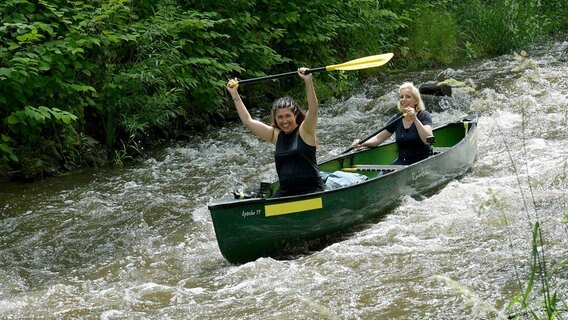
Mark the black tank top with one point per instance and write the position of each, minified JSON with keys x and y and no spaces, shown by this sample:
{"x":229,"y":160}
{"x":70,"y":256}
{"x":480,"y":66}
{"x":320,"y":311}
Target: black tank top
{"x":411,"y":149}
{"x":296,"y":165}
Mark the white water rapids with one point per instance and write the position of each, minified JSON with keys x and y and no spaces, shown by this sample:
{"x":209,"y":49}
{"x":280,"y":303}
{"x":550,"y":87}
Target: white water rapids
{"x":138,"y":242}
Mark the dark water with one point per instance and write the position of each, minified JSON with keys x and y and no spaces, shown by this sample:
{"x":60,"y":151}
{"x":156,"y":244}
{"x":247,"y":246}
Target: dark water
{"x":138,"y":243}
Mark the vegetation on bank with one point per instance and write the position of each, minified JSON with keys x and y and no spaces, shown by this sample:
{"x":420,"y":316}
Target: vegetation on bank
{"x":86,"y":82}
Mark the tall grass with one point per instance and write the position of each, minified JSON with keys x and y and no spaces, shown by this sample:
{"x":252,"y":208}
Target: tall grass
{"x":500,"y":26}
{"x":539,"y":266}
{"x":432,"y":39}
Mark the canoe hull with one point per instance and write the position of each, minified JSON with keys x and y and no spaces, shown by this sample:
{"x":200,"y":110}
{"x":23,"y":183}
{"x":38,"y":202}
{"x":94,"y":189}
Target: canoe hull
{"x":251,"y":228}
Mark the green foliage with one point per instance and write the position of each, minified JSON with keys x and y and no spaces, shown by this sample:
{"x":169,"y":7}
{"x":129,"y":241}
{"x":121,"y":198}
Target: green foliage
{"x":172,"y":71}
{"x":129,"y":150}
{"x":537,"y":271}
{"x":502,"y":25}
{"x":377,"y":26}
{"x":99,"y":63}
{"x":7,"y":154}
{"x":432,"y":39}
{"x":25,"y":122}
{"x":42,"y":74}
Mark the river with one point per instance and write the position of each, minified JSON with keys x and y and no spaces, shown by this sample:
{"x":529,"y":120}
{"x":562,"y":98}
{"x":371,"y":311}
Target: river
{"x":138,"y":242}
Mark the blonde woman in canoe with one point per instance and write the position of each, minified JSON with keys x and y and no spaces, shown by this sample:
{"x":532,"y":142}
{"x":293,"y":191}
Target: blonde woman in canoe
{"x":411,"y":131}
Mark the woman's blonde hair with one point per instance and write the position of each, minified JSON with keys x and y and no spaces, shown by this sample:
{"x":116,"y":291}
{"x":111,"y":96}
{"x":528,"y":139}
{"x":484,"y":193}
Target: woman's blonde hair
{"x":415,"y":92}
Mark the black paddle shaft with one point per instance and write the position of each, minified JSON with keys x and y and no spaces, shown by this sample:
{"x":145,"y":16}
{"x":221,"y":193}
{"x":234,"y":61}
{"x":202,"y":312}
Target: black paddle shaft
{"x":376,"y":132}
{"x":281,"y":75}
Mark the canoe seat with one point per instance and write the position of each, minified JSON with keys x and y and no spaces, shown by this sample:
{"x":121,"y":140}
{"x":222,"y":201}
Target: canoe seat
{"x":438,"y":150}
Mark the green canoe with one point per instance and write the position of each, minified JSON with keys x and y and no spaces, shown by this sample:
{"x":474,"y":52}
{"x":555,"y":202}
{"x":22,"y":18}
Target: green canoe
{"x":261,"y":226}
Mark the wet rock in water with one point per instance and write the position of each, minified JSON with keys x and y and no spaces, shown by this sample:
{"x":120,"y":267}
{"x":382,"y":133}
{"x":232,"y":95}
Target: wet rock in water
{"x":434,"y":88}
{"x":449,"y":74}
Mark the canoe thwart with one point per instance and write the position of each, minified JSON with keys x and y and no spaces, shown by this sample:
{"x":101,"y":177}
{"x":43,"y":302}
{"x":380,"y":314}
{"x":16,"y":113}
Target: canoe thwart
{"x":374,"y":167}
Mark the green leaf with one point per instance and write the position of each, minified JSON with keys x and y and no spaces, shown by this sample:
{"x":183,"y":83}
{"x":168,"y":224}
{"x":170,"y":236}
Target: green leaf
{"x":13,"y":45}
{"x":44,"y":66}
{"x":43,"y":113}
{"x":74,"y":51}
{"x":5,"y":72}
{"x":82,"y":88}
{"x":12,"y":119}
{"x":67,"y":118}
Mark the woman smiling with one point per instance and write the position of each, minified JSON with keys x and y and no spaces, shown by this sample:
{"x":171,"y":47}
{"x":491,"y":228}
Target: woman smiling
{"x":293,"y":131}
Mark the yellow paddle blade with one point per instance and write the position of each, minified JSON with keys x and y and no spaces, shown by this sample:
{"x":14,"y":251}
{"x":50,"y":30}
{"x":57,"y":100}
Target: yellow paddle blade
{"x":362,"y":63}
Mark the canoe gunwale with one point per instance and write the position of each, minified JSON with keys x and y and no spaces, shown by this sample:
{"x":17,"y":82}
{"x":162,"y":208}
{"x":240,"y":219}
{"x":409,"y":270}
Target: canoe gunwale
{"x":438,"y":151}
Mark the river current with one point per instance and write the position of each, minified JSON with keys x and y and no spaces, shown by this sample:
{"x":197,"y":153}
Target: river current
{"x":138,"y":242}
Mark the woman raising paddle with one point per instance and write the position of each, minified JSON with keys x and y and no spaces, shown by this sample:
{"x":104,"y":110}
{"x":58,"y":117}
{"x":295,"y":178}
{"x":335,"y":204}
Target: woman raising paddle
{"x":293,"y":131}
{"x":411,"y":131}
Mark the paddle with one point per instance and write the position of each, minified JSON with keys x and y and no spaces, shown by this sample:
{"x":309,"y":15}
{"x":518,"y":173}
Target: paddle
{"x":430,"y":88}
{"x":376,"y":132}
{"x":357,"y":64}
